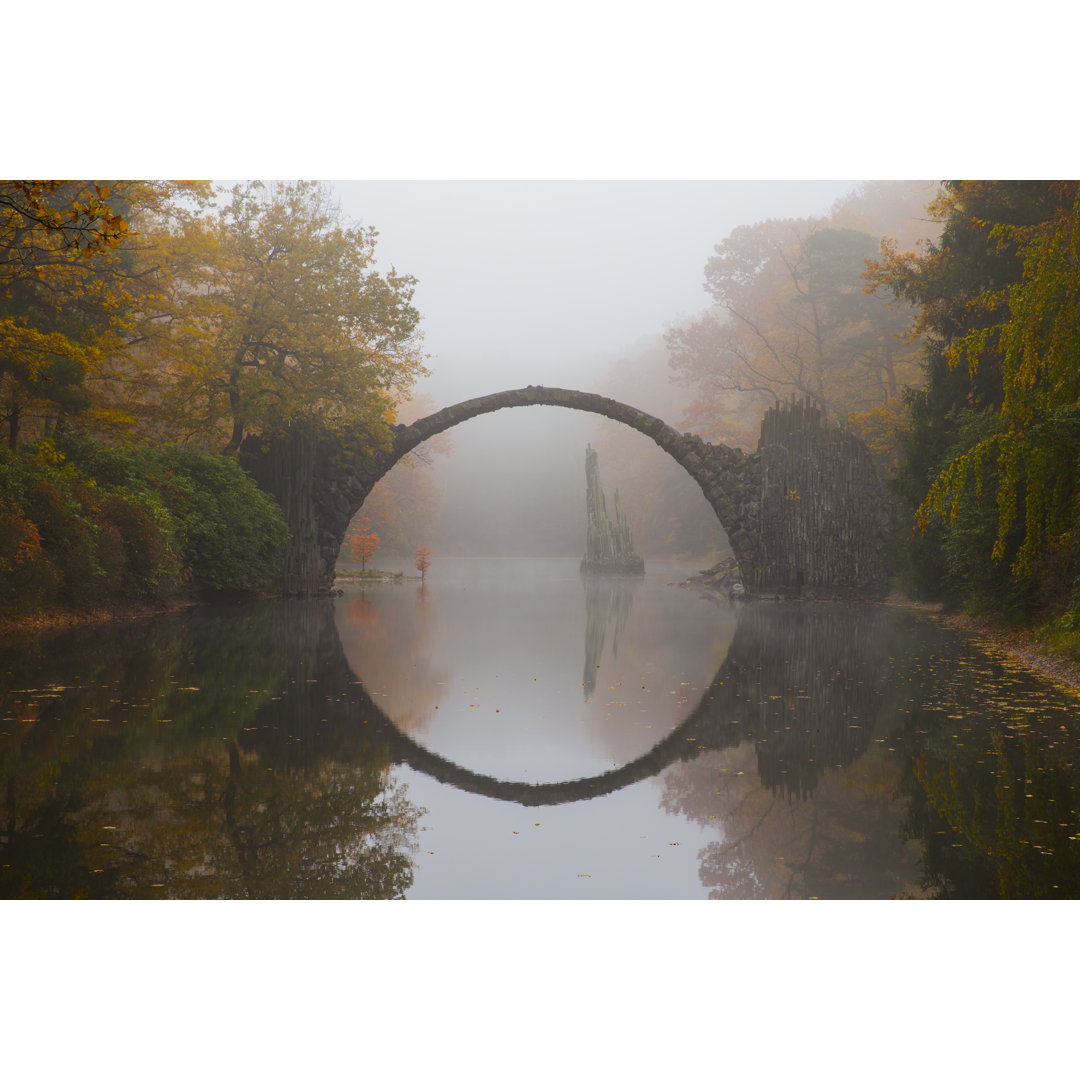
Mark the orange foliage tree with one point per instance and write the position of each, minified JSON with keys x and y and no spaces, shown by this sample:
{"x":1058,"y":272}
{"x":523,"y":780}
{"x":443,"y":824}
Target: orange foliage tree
{"x":363,"y":543}
{"x":422,"y":560}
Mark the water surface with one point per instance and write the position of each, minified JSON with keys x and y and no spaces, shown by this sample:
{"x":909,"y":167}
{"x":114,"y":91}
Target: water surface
{"x":509,"y":729}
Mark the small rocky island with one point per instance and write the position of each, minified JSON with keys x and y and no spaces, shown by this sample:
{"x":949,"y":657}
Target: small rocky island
{"x":608,"y":548}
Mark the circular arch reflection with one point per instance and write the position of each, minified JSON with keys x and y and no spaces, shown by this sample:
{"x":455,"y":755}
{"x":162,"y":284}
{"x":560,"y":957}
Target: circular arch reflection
{"x":792,"y":682}
{"x":678,"y":744}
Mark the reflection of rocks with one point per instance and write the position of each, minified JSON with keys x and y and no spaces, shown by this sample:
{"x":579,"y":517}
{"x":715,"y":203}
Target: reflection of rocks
{"x":843,"y":843}
{"x":608,"y":547}
{"x":608,"y":602}
{"x":804,"y":795}
{"x":934,"y":773}
{"x":799,"y":687}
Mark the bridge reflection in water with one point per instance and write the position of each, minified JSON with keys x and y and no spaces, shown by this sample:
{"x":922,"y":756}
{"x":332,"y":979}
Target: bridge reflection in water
{"x":794,"y":683}
{"x":837,"y":751}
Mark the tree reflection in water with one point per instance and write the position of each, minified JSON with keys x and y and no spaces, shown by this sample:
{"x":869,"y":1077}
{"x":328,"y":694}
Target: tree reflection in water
{"x":880,"y":755}
{"x":839,"y":752}
{"x":802,"y":807}
{"x":992,"y":788}
{"x":259,"y":786}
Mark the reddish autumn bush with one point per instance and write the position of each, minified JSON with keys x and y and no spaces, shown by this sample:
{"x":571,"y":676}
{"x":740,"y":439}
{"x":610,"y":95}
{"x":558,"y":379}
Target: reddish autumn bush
{"x":28,"y":577}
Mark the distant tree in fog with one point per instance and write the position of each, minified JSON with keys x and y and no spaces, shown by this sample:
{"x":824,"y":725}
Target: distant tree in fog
{"x":422,"y":560}
{"x":670,"y":514}
{"x":793,"y":315}
{"x":405,"y":503}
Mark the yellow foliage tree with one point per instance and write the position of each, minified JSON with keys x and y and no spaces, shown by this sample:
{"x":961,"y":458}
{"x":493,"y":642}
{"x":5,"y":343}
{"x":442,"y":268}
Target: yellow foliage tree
{"x":77,"y":281}
{"x":280,"y":316}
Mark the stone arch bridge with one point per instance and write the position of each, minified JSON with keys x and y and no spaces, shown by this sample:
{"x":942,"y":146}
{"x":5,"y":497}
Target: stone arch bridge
{"x":805,"y":514}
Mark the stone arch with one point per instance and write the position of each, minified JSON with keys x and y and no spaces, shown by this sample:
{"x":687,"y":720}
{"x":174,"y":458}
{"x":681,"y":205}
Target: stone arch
{"x":726,"y":476}
{"x":805,"y":513}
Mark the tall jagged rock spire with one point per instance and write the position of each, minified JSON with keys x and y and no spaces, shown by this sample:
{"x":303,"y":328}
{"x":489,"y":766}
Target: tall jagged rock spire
{"x":607,"y":543}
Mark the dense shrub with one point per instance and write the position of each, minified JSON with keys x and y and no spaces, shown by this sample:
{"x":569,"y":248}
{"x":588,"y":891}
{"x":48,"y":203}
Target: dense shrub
{"x":151,"y":564}
{"x":231,"y":532}
{"x":84,"y":524}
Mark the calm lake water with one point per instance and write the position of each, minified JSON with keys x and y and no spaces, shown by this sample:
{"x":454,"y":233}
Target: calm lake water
{"x":510,"y":730}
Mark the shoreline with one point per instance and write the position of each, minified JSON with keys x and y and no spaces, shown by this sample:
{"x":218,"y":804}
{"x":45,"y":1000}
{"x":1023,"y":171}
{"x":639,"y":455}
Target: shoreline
{"x":368,"y":577}
{"x":69,"y":618}
{"x":1020,"y":646}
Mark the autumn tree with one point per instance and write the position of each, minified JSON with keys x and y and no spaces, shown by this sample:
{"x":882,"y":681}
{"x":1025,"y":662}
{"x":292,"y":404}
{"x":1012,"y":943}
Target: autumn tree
{"x":792,"y":316}
{"x":283,"y":319}
{"x":42,"y":218}
{"x":363,"y":543}
{"x":992,"y":440}
{"x":75,"y":285}
{"x":422,"y":560}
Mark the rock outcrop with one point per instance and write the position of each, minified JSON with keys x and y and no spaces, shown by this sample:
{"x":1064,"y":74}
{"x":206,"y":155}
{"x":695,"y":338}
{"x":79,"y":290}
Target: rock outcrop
{"x":608,"y":546}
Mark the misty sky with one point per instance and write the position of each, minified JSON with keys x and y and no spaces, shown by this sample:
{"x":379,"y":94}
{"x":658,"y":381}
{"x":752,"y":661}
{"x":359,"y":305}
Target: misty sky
{"x":542,"y":281}
{"x":549,"y":282}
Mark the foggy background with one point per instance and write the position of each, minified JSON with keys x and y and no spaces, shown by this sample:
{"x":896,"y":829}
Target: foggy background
{"x":559,"y":283}
{"x":543,"y":282}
